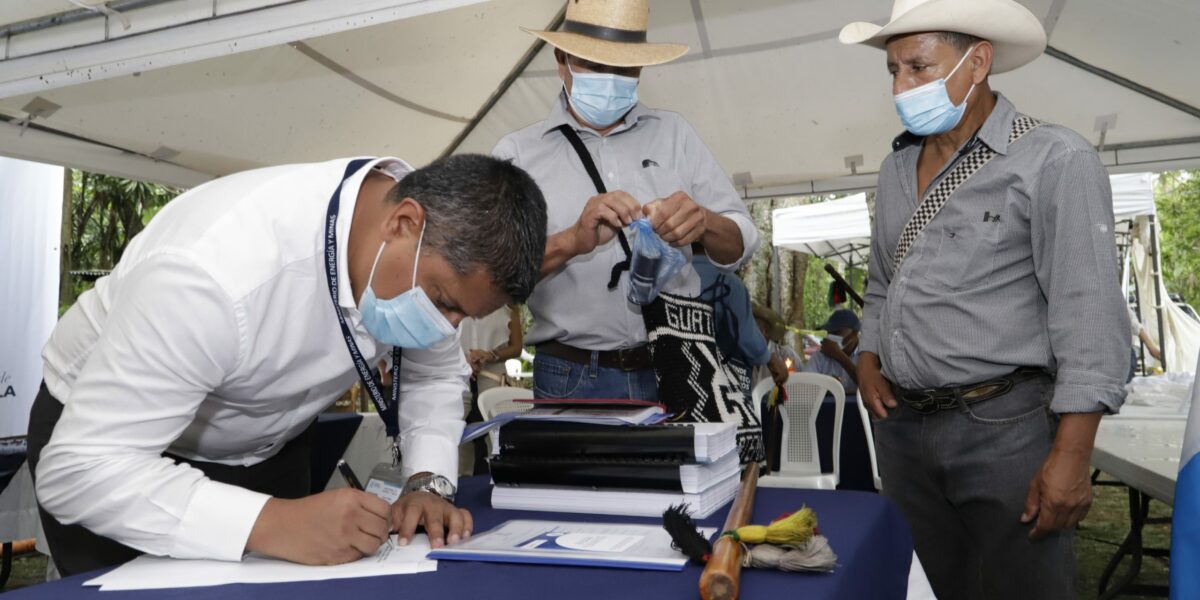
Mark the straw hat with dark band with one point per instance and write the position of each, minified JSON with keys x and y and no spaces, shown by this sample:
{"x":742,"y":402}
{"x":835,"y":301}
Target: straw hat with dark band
{"x":610,"y":32}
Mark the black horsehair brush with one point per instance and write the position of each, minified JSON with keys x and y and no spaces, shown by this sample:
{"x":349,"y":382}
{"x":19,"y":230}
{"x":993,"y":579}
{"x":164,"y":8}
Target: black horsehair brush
{"x":684,"y":535}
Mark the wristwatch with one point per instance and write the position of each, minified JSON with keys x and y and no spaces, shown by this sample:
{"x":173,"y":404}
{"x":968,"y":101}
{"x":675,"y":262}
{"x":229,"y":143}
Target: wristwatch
{"x":428,"y":482}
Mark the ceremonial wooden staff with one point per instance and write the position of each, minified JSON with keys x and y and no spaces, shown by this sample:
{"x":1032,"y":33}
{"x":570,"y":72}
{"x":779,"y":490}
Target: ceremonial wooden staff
{"x":838,"y":277}
{"x":721,"y":578}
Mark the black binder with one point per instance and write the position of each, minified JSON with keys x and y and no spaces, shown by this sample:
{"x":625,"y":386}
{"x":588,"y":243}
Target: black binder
{"x":556,"y":439}
{"x":633,"y":473}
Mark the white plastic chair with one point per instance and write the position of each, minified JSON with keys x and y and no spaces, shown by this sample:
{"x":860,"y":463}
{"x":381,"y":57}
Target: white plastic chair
{"x":800,"y":459}
{"x":760,"y":391}
{"x":500,"y":400}
{"x":869,"y":433}
{"x":757,"y":395}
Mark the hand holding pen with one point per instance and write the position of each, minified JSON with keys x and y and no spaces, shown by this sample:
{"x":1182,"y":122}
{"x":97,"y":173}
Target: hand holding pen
{"x":352,"y":480}
{"x":328,"y":528}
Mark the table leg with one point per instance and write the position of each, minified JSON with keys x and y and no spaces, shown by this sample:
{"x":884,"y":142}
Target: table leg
{"x":1139,"y":510}
{"x":6,"y":557}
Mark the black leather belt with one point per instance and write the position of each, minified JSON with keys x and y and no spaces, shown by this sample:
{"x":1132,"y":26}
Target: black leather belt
{"x":625,"y":359}
{"x":929,"y":401}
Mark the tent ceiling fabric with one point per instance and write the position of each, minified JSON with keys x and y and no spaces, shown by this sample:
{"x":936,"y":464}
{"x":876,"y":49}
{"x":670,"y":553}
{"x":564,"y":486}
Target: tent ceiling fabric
{"x":279,"y":104}
{"x":766,"y":83}
{"x":782,"y":99}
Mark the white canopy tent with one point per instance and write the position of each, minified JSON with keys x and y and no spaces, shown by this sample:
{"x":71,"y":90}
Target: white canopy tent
{"x":196,"y":89}
{"x":1133,"y":195}
{"x":837,"y":230}
{"x":1138,"y":231}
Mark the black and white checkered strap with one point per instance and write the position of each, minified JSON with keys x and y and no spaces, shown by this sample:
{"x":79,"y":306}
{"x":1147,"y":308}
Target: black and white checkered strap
{"x":937,"y":197}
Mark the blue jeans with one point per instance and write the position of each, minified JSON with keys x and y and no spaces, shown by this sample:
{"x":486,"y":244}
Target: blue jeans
{"x":558,"y":378}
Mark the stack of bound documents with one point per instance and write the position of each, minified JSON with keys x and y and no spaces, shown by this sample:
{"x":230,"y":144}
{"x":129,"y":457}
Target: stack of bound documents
{"x":636,"y":470}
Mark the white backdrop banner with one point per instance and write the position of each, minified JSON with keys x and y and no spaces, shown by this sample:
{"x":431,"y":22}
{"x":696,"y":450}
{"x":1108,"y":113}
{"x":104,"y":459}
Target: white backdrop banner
{"x":31,"y":196}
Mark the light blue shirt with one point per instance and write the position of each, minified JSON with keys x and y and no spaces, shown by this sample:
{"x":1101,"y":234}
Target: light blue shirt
{"x":823,"y":364}
{"x":735,"y":310}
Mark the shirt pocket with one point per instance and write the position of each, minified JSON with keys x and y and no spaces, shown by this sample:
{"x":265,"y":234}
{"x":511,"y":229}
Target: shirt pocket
{"x":654,"y":182}
{"x":966,"y":255}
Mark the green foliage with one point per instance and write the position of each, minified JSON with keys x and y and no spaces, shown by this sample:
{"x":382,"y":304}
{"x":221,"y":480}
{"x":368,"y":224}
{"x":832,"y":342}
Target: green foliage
{"x":1177,"y":197}
{"x":106,"y":213}
{"x":816,"y":300}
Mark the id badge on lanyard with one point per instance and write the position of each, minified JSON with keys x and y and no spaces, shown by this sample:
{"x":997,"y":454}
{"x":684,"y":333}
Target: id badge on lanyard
{"x":388,"y":411}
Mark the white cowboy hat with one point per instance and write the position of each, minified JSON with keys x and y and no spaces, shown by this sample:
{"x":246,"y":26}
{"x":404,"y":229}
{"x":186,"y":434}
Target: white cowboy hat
{"x":1014,"y":32}
{"x":610,"y":32}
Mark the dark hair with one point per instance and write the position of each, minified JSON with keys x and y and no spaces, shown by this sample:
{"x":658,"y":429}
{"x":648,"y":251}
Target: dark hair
{"x":960,"y":41}
{"x":482,"y":212}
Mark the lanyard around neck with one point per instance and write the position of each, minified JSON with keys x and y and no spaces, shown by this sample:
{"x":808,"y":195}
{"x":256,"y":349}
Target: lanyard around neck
{"x":388,"y":411}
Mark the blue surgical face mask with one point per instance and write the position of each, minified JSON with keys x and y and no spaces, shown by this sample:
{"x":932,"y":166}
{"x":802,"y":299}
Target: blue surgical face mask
{"x":602,"y":99}
{"x":409,"y":320}
{"x":927,"y":110}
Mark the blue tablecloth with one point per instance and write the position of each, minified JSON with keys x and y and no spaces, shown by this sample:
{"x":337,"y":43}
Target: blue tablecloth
{"x":333,"y":435}
{"x":856,"y":461}
{"x":866,"y":531}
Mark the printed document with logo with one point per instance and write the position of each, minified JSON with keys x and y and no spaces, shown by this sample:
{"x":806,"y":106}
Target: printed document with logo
{"x":577,"y":544}
{"x":156,"y":572}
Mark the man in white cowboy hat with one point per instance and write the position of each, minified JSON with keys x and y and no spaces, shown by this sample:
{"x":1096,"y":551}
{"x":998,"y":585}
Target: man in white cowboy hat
{"x":591,"y":341}
{"x":992,"y":337}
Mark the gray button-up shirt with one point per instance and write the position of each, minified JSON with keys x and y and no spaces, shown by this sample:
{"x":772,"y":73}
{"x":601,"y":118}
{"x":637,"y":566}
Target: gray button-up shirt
{"x":1018,"y":269}
{"x":654,"y":154}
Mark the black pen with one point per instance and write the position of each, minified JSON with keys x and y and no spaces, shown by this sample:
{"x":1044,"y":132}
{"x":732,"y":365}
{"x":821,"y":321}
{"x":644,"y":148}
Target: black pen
{"x":352,"y":481}
{"x":348,"y":475}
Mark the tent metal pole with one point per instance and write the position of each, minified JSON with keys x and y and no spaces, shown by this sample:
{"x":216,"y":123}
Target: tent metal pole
{"x":777,"y":281}
{"x":1123,"y":82}
{"x":1156,"y":271}
{"x":1137,"y":309}
{"x":74,"y":16}
{"x":511,"y":78}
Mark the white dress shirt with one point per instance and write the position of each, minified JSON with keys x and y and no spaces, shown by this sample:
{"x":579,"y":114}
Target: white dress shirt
{"x":215,"y":339}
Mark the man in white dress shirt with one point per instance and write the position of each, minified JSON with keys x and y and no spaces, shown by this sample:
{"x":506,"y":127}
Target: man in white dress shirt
{"x":179,"y":394}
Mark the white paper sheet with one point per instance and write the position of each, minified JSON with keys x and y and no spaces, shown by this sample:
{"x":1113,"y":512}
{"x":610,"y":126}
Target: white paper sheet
{"x":153,"y":572}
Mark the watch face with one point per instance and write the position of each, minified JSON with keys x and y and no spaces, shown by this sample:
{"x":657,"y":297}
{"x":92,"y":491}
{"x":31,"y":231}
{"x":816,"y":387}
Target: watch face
{"x":442,"y":486}
{"x":436,"y":484}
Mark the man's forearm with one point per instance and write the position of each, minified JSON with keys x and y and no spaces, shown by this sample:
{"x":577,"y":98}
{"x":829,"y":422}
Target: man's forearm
{"x":849,"y":366}
{"x":507,"y":351}
{"x":1151,"y":347}
{"x":722,"y":239}
{"x":1077,"y":433}
{"x":560,"y":248}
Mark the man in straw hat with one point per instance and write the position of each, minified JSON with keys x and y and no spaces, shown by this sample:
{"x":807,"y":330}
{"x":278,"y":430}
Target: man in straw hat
{"x":993,"y":328}
{"x":591,"y":341}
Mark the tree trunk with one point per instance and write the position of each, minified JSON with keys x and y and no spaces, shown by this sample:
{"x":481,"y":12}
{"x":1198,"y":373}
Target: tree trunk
{"x":66,"y":289}
{"x":799,"y":269}
{"x":88,"y":203}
